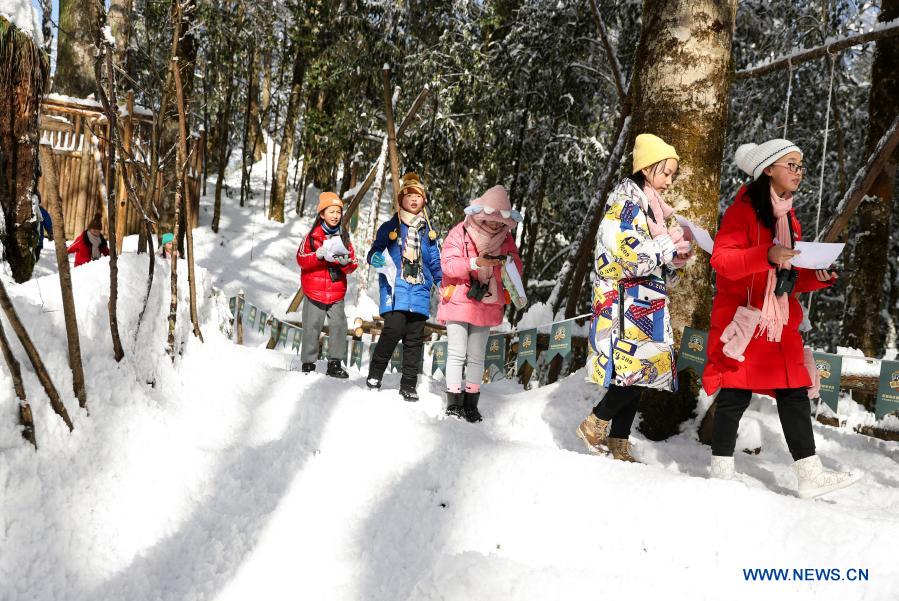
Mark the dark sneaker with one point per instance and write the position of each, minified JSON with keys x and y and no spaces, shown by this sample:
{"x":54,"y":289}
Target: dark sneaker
{"x":409,"y":394}
{"x":335,"y":370}
{"x":308,"y":367}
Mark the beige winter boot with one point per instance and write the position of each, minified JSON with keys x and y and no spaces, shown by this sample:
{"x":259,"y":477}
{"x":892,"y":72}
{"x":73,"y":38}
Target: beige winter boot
{"x":594,"y":432}
{"x":621,"y":450}
{"x":814,"y":480}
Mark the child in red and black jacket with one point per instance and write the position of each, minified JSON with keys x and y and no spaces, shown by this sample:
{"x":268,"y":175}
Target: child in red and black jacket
{"x":324,"y":282}
{"x":90,"y":245}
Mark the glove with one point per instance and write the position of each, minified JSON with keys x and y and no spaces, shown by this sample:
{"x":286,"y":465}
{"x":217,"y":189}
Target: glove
{"x":738,"y":333}
{"x":377,"y":260}
{"x":680,"y":240}
{"x":320,"y":252}
{"x":342,"y":259}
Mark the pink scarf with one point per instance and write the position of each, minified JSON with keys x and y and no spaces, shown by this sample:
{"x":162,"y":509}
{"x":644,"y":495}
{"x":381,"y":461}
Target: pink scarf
{"x":660,"y":211}
{"x":776,"y":309}
{"x":486,"y":243}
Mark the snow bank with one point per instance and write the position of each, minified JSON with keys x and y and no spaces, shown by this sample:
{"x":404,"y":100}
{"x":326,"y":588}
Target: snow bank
{"x":24,"y":16}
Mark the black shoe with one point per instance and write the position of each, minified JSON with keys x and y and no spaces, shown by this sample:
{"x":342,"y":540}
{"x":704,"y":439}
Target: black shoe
{"x":373,"y":383}
{"x":308,"y":367}
{"x":409,"y":394}
{"x":335,"y":370}
{"x":454,"y":405}
{"x":470,"y":407}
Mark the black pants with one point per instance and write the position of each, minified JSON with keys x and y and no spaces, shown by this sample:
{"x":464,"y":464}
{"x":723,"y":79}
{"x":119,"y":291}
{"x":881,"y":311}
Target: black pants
{"x":793,"y":408}
{"x":619,"y":406}
{"x":408,"y":327}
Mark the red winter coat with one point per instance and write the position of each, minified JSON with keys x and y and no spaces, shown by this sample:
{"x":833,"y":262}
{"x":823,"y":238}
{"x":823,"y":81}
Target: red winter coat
{"x":81,"y":247}
{"x":315,"y":277}
{"x":740,"y":259}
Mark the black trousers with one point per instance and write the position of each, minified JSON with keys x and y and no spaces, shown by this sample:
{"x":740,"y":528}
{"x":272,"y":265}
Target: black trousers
{"x":619,"y":406}
{"x":793,"y":408}
{"x":408,"y":327}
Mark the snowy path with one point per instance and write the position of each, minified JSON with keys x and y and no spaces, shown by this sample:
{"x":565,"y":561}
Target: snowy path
{"x":230,"y":477}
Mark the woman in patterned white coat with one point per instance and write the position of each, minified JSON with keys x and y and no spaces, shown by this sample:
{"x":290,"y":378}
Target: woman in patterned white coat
{"x":636,"y":255}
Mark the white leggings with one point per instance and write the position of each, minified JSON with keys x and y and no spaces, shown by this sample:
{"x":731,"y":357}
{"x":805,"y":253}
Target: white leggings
{"x":465,"y":341}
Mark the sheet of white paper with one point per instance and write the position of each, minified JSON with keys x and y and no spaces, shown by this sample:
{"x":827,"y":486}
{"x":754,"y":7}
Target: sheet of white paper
{"x":512,"y":270}
{"x":334,"y":247}
{"x":702,"y":237}
{"x":817,"y":255}
{"x":389,"y":270}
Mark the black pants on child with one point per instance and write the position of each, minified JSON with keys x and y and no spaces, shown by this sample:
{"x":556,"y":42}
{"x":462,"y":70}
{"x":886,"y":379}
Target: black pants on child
{"x":408,"y":327}
{"x":793,"y":408}
{"x":619,"y":406}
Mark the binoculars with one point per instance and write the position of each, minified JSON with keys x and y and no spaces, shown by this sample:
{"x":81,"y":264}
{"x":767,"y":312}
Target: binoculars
{"x":786,"y":281}
{"x":477,"y":290}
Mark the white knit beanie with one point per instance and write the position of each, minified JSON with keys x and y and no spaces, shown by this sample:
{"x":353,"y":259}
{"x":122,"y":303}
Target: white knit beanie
{"x":753,"y":158}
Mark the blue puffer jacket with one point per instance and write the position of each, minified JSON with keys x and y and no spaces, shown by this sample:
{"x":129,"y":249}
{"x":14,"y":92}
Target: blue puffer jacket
{"x":403,"y":296}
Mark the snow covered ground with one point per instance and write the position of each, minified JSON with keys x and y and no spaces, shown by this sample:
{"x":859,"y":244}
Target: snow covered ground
{"x":229,"y":476}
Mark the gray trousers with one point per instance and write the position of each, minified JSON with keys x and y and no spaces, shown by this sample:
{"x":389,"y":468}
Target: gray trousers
{"x":465,"y":341}
{"x":314,"y":314}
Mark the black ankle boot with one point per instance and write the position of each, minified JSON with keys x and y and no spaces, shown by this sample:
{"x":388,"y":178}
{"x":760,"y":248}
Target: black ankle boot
{"x":335,"y":370}
{"x":308,"y":368}
{"x":470,"y":407}
{"x":409,"y":393}
{"x":454,"y":405}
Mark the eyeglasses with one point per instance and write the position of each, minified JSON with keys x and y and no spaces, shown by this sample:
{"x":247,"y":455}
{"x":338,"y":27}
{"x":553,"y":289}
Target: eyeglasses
{"x":475,"y":209}
{"x":793,"y":167}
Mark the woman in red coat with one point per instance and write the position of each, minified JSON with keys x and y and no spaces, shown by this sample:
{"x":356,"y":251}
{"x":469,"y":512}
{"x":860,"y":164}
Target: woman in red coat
{"x":325,"y":257}
{"x":90,"y":245}
{"x":754,"y":342}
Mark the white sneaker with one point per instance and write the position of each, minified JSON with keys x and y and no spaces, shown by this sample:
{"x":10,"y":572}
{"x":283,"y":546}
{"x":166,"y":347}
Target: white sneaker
{"x":815,"y":481}
{"x":722,"y":468}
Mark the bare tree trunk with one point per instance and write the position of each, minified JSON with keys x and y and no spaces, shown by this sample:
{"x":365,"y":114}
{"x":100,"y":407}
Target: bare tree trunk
{"x":111,"y":108}
{"x":33,"y":356}
{"x":26,"y":419}
{"x":224,"y":152}
{"x":682,"y":79}
{"x":868,"y":288}
{"x":279,"y":187}
{"x":51,"y":185}
{"x":119,"y":18}
{"x":24,"y":71}
{"x":47,"y":25}
{"x":185,"y":197}
{"x":371,"y":225}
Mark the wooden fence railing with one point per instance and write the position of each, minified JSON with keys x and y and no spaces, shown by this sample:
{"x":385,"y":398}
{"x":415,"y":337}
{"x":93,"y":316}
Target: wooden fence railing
{"x":76,"y":128}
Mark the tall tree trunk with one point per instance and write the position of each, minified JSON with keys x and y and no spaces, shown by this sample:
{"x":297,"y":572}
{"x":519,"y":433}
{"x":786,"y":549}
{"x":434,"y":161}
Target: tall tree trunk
{"x":867,"y":291}
{"x":51,"y":185}
{"x":682,"y":78}
{"x":47,"y":25}
{"x":184,"y":186}
{"x":75,"y":48}
{"x":224,"y":151}
{"x":111,"y":108}
{"x":120,"y":23}
{"x":24,"y":72}
{"x":279,"y":186}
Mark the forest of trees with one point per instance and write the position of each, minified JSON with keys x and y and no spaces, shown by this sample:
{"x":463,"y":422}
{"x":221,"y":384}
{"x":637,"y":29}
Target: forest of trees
{"x":542,"y":96}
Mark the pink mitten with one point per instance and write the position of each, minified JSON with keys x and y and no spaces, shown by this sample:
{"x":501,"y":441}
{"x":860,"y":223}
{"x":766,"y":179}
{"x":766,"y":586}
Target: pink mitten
{"x":738,"y":333}
{"x":814,"y":391}
{"x":680,"y":242}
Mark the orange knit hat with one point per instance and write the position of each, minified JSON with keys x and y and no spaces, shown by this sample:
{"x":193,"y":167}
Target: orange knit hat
{"x":328,"y":199}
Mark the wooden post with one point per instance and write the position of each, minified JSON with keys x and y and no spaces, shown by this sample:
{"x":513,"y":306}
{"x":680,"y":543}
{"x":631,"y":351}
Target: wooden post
{"x":240,"y":303}
{"x":48,"y":167}
{"x":33,"y":356}
{"x":391,"y":138}
{"x":26,"y":419}
{"x":122,"y":192}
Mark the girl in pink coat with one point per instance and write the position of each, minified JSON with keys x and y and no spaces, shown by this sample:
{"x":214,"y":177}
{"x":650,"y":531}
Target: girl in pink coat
{"x":473,"y":298}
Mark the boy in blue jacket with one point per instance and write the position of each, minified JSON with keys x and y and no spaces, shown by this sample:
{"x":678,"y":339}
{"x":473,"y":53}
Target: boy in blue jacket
{"x":407,"y":240}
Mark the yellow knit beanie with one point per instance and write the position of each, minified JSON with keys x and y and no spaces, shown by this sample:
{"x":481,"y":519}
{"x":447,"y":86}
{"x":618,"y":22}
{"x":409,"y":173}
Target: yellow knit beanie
{"x":649,"y":150}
